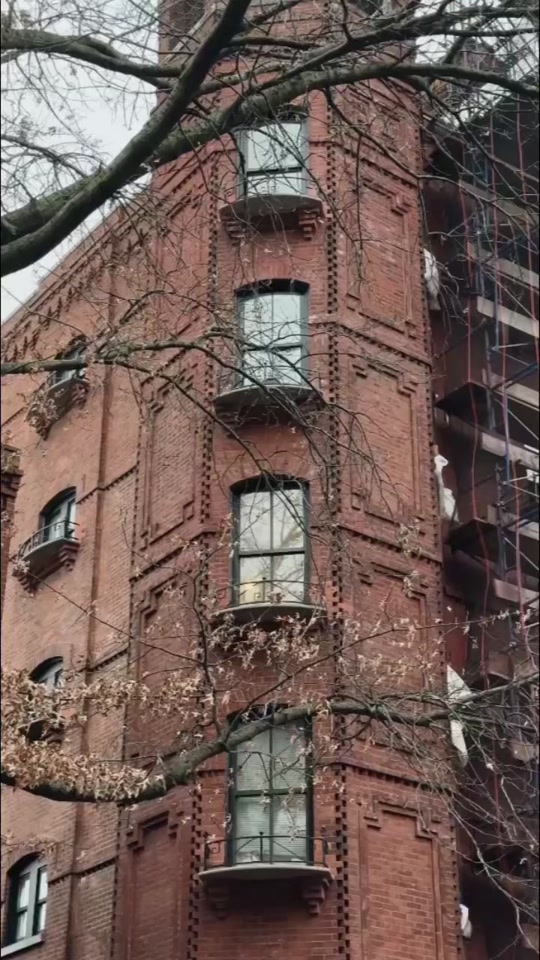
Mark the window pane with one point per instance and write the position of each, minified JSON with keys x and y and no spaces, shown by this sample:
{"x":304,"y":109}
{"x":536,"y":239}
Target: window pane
{"x":20,"y":926}
{"x":259,"y":367}
{"x":288,"y":519}
{"x":253,"y":763}
{"x":56,"y":529}
{"x":293,"y":135}
{"x":259,"y":149}
{"x":255,"y":582}
{"x":42,"y":884}
{"x":273,"y":321}
{"x":255,"y":521}
{"x":292,"y":183}
{"x":288,"y":751}
{"x":23,"y":888}
{"x":288,"y":366}
{"x":50,"y":676}
{"x":252,"y":817}
{"x":289,"y":578}
{"x":257,"y":313}
{"x":55,"y":522}
{"x":51,"y":680}
{"x":70,"y":515}
{"x":287,"y":319}
{"x":262,"y":366}
{"x":40,"y":917}
{"x":274,"y":147}
{"x":289,"y":834}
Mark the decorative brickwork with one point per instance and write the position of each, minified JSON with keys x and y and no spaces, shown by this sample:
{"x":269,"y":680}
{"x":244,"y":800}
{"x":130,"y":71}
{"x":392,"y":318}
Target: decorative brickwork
{"x":153,"y":465}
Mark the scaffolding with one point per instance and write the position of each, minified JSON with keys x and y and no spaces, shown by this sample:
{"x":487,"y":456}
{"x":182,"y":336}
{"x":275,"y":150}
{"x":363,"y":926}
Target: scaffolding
{"x":511,"y":368}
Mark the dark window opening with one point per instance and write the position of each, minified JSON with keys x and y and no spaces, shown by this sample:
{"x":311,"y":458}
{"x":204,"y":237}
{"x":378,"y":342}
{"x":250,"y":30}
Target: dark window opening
{"x":58,"y":518}
{"x":27,"y":901}
{"x":49,"y":674}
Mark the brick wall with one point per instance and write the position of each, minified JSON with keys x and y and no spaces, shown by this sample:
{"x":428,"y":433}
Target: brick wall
{"x":152,"y":472}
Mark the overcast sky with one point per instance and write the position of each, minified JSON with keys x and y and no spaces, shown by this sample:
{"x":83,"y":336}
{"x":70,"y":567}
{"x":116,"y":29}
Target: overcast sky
{"x":73,"y":109}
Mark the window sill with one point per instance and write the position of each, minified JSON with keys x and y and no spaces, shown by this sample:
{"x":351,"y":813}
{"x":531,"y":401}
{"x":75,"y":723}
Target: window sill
{"x":265,"y":212}
{"x":267,"y":613}
{"x":222,"y":883}
{"x":288,"y":870}
{"x":21,"y":945}
{"x":265,"y":402}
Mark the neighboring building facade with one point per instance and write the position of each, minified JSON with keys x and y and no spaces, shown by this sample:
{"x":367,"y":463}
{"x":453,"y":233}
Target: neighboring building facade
{"x":118,"y":474}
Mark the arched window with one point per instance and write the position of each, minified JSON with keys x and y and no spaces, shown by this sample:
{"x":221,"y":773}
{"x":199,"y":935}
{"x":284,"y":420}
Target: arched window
{"x":26,"y":902}
{"x":273,"y":157}
{"x":270,"y":542}
{"x":273,"y":326}
{"x":49,"y":673}
{"x":57,"y":519}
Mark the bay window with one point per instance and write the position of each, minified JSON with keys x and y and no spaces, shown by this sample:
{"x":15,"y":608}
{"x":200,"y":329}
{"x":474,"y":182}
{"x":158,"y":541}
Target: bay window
{"x":273,"y":329}
{"x":270,"y":799}
{"x":273,"y":158}
{"x":270,"y":543}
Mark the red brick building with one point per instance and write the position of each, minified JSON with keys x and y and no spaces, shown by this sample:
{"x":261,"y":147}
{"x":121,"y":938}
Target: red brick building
{"x":118,"y":473}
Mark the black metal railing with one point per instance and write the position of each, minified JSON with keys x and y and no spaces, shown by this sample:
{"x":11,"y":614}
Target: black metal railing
{"x":49,"y":533}
{"x":265,"y":849}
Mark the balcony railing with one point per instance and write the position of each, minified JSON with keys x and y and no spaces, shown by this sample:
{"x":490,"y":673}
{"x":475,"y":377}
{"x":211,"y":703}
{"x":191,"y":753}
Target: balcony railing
{"x":55,"y":398}
{"x":271,"y":859}
{"x":49,"y":548}
{"x":268,"y":590}
{"x":283,"y":397}
{"x":49,"y":534}
{"x":265,"y":849}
